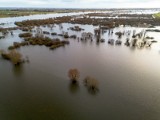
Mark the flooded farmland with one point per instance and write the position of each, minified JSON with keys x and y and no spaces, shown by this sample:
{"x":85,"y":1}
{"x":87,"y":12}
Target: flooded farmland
{"x":128,"y":74}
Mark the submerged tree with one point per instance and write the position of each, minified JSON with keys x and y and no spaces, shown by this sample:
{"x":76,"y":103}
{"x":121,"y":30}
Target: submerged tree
{"x":73,"y":74}
{"x":39,"y":33}
{"x":91,"y":83}
{"x":14,"y":56}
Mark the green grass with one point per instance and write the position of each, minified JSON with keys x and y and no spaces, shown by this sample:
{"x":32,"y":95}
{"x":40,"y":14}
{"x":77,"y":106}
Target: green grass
{"x":9,"y":13}
{"x":27,"y":12}
{"x":157,"y":15}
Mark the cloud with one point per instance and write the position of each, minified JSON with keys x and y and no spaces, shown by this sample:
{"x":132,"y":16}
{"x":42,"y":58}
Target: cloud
{"x":81,"y":3}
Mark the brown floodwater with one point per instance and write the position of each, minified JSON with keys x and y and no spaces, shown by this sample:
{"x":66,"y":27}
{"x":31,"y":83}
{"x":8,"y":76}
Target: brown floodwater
{"x":129,"y":80}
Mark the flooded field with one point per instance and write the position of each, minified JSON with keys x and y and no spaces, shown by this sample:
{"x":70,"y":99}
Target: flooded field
{"x":128,"y":76}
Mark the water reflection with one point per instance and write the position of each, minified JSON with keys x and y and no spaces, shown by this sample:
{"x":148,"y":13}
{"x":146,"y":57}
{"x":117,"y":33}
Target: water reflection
{"x":132,"y":48}
{"x":93,"y":91}
{"x":97,"y":43}
{"x":91,"y":43}
{"x":133,"y":79}
{"x":18,"y":70}
{"x":74,"y":87}
{"x":92,"y":85}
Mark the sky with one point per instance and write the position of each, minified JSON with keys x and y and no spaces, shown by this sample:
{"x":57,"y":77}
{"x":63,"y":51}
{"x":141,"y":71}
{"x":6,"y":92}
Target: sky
{"x":81,"y":3}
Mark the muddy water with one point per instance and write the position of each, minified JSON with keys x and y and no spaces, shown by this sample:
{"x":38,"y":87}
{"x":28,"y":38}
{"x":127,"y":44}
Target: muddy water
{"x":9,"y":22}
{"x":129,"y":80}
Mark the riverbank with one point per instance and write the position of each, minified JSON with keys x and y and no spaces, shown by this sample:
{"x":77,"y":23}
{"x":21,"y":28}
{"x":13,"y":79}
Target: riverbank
{"x":5,"y":13}
{"x":18,"y":13}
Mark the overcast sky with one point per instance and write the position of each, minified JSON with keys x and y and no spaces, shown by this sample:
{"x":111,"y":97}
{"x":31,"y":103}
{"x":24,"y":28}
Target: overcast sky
{"x":82,"y":3}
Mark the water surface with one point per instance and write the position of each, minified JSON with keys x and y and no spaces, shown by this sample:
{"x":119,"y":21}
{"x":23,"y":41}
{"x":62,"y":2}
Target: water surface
{"x":129,"y":80}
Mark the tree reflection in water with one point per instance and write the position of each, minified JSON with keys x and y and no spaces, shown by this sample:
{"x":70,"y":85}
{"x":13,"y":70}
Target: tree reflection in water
{"x":74,"y":87}
{"x":18,"y":70}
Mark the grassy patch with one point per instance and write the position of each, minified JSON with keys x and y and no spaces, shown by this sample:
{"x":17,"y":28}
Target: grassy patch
{"x":157,"y":15}
{"x":14,"y":13}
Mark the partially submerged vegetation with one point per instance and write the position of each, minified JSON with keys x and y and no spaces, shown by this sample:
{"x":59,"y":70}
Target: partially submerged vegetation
{"x":74,"y":75}
{"x":41,"y":22}
{"x":103,"y":24}
{"x":157,"y":15}
{"x":153,"y":30}
{"x":91,"y":83}
{"x":106,"y":22}
{"x":26,"y":29}
{"x":139,"y":40}
{"x":48,"y":42}
{"x":23,"y":35}
{"x":76,"y":28}
{"x":18,"y":45}
{"x":14,"y":56}
{"x":8,"y":29}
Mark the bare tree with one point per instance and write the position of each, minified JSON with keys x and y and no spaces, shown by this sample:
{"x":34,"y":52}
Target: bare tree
{"x":73,"y":74}
{"x":15,"y":57}
{"x":91,"y":83}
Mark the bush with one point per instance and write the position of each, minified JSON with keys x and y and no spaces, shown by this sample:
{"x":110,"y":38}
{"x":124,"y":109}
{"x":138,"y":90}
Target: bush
{"x":53,"y":33}
{"x":11,"y":48}
{"x":56,"y":46}
{"x":25,"y":35}
{"x":14,"y":56}
{"x":46,"y":32}
{"x":73,"y":36}
{"x":66,"y":36}
{"x":91,"y":83}
{"x":73,"y":74}
{"x":5,"y":56}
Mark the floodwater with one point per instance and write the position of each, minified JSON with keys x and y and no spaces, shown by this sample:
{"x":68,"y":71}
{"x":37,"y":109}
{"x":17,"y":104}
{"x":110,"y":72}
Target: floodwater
{"x":9,"y":22}
{"x":129,"y":80}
